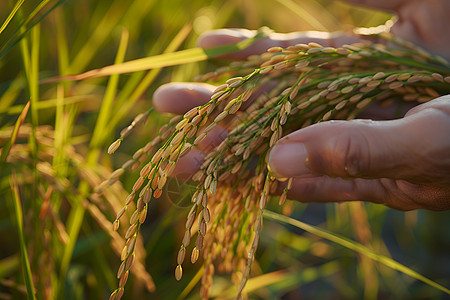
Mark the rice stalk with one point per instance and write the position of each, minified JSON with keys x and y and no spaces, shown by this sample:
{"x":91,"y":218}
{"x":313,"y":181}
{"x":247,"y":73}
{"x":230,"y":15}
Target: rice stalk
{"x":107,"y":103}
{"x":26,"y":25}
{"x":54,"y":231}
{"x":31,"y":293}
{"x":234,"y":184}
{"x":11,"y":15}
{"x":14,"y":134}
{"x":125,"y":100}
{"x":162,"y":60}
{"x":355,"y":247}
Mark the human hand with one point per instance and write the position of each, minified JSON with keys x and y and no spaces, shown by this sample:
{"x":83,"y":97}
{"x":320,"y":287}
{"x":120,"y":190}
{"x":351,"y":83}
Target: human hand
{"x":424,"y":23}
{"x":180,"y":97}
{"x":407,"y":190}
{"x":403,"y":163}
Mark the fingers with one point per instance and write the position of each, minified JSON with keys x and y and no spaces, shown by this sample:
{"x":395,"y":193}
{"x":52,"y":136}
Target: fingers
{"x":179,"y":97}
{"x":441,"y":104}
{"x":379,"y":111}
{"x":428,"y":197}
{"x":231,"y":36}
{"x":213,"y":138}
{"x":397,"y":194}
{"x":432,"y":36}
{"x":414,"y":148}
{"x":327,"y":189}
{"x":189,"y":164}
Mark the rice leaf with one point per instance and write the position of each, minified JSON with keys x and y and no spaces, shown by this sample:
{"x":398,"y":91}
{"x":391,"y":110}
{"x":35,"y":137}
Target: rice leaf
{"x":51,"y":103}
{"x":352,"y":245}
{"x":11,"y":42}
{"x":197,"y":277}
{"x":163,"y":60}
{"x":11,"y":15}
{"x":7,"y":147}
{"x":9,"y":265}
{"x":153,"y":62}
{"x":23,"y":247}
{"x":124,"y":104}
{"x":107,"y":103}
{"x":303,"y":14}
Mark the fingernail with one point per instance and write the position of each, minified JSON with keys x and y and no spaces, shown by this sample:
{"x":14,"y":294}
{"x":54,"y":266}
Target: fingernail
{"x":288,"y":160}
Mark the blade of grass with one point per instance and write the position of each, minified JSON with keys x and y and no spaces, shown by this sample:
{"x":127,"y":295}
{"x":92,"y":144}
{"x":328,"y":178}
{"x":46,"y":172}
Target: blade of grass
{"x":135,"y":81}
{"x":23,"y":247}
{"x":51,"y":103}
{"x":23,"y":31}
{"x":191,"y":284}
{"x":303,"y":14}
{"x":78,"y":210}
{"x":283,"y":279}
{"x":104,"y":115}
{"x":9,"y":265}
{"x":129,"y":15}
{"x":62,"y":45}
{"x":100,"y":34}
{"x":124,"y":105}
{"x":288,"y":278}
{"x":136,"y":13}
{"x":34,"y":75}
{"x":59,"y":163}
{"x":157,"y":61}
{"x":11,"y":94}
{"x":363,"y":234}
{"x":7,"y":148}
{"x":38,"y":8}
{"x":162,"y":60}
{"x":74,"y":222}
{"x":30,"y":59}
{"x":33,"y":87}
{"x":387,"y":261}
{"x":76,"y":215}
{"x":11,"y":15}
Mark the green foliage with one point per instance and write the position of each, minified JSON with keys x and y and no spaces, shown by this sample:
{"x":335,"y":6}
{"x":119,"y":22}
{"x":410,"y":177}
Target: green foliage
{"x":66,"y":248}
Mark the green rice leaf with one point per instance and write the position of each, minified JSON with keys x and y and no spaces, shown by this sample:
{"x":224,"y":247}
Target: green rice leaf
{"x":196,"y":279}
{"x":282,"y":279}
{"x":51,"y":103}
{"x":352,"y":245}
{"x":23,"y":247}
{"x":9,"y":265}
{"x":303,"y":14}
{"x":7,"y":148}
{"x":107,"y":103}
{"x":163,"y":60}
{"x":16,"y":37}
{"x":11,"y":15}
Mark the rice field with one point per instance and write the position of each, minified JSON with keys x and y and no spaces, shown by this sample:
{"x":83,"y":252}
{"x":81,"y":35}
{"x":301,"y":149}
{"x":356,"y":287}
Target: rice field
{"x":81,"y":147}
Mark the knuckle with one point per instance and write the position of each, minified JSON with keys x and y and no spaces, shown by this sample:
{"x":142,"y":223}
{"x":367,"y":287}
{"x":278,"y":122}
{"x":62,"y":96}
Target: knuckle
{"x":354,"y":152}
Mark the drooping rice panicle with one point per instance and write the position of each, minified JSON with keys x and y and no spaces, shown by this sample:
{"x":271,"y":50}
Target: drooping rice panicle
{"x":289,"y":88}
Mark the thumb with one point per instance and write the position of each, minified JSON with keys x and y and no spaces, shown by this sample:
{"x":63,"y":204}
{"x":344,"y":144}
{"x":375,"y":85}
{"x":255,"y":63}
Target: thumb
{"x":414,"y":148}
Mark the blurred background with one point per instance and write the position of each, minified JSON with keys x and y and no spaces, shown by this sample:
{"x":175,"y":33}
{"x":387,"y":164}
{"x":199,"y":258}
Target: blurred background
{"x":59,"y":156}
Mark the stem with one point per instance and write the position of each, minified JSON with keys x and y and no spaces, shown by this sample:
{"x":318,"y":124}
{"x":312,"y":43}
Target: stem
{"x":352,"y":245}
{"x":23,"y":247}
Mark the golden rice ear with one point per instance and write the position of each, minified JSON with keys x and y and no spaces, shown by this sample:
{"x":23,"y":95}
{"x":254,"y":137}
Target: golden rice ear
{"x":308,"y":83}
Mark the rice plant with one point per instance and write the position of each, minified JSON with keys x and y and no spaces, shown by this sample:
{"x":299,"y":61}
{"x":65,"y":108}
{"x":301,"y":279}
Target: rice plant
{"x":73,"y":73}
{"x":313,"y":84}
